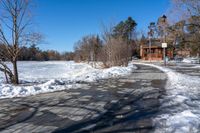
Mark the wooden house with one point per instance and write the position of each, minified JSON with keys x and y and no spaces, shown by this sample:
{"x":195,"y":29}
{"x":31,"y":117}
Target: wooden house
{"x":156,"y":51}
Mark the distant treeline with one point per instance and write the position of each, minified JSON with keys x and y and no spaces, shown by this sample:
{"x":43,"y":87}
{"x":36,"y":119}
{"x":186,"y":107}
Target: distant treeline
{"x":34,"y":53}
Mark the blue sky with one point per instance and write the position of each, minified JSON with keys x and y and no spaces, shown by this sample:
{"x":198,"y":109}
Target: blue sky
{"x":64,"y":22}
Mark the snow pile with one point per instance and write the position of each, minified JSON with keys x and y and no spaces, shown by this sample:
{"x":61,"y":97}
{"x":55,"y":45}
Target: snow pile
{"x":181,"y":105}
{"x":42,"y":77}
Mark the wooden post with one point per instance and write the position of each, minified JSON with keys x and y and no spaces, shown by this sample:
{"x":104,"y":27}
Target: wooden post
{"x":164,"y":46}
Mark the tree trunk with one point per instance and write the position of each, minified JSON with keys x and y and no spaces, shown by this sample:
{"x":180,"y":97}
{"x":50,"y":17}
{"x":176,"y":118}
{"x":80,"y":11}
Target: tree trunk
{"x":6,"y":76}
{"x":15,"y":72}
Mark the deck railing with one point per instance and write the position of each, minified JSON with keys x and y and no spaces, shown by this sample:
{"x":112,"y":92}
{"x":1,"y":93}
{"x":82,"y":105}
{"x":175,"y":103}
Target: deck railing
{"x":154,"y":55}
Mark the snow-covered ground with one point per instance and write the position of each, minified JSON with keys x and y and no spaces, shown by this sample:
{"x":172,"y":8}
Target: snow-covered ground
{"x":42,"y":77}
{"x":180,"y":108}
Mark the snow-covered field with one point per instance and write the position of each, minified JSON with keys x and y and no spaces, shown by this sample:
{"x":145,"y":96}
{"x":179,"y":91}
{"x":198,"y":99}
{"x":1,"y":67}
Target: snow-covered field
{"x":180,"y":108}
{"x":42,"y":77}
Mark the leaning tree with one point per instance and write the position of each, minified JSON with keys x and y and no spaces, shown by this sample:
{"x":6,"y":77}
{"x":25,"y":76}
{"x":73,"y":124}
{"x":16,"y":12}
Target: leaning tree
{"x":15,"y":31}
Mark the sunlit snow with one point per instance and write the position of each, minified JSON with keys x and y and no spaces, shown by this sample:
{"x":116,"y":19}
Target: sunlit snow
{"x":41,"y":77}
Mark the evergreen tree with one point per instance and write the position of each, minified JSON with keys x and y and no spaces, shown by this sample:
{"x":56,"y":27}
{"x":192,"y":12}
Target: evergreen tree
{"x":125,"y":29}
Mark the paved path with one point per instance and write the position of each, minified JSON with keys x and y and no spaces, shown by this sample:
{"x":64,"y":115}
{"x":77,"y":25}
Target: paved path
{"x":127,"y":104}
{"x":188,"y":69}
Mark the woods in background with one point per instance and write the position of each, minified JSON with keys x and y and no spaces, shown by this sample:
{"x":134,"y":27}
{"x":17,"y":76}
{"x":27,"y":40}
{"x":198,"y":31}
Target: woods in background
{"x":115,"y":48}
{"x":33,"y":53}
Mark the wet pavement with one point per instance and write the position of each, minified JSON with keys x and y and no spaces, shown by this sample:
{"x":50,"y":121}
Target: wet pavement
{"x":127,"y":104}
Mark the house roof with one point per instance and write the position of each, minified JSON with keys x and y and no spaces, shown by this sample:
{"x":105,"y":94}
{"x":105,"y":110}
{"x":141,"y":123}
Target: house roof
{"x":154,"y":44}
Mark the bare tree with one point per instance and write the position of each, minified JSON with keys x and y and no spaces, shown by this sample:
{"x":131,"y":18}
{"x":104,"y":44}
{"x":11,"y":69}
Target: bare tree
{"x":190,"y":6}
{"x":87,"y":48}
{"x":116,"y":50}
{"x":183,"y":9}
{"x":192,"y":10}
{"x":15,"y":21}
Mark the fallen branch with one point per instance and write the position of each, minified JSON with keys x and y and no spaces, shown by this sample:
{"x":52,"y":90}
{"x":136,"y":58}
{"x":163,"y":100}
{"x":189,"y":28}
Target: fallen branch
{"x":6,"y":70}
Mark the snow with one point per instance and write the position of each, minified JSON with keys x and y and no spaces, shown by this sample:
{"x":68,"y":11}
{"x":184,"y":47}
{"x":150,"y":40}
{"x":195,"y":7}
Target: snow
{"x":181,"y":104}
{"x":42,"y":77}
{"x":192,"y":60}
{"x":196,"y":66}
{"x":186,"y":60}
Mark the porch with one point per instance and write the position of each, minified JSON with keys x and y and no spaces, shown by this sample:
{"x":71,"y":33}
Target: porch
{"x":155,"y":54}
